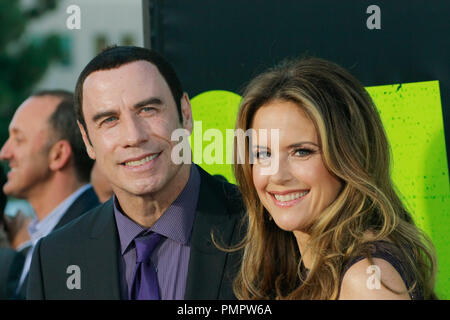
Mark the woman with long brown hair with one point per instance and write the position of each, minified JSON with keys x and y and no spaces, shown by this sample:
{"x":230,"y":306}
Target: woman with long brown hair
{"x":326,"y":223}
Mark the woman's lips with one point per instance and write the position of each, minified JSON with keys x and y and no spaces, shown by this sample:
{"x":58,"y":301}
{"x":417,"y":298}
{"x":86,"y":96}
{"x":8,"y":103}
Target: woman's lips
{"x":288,"y":199}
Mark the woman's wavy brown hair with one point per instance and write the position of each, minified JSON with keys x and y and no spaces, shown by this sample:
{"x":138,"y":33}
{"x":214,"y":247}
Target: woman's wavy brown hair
{"x":354,"y":149}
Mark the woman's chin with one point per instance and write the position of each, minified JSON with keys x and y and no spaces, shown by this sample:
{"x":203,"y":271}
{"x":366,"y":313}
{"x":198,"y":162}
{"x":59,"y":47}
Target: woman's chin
{"x":289,"y":225}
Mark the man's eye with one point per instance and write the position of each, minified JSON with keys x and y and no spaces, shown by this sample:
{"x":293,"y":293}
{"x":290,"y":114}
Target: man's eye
{"x":147,"y":109}
{"x":109,"y":120}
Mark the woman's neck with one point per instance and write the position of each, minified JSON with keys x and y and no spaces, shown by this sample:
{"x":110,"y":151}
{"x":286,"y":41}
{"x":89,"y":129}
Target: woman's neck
{"x":302,"y":242}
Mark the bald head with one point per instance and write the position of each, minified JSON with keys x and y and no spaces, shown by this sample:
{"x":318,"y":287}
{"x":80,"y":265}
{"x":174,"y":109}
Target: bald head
{"x":26,"y":149}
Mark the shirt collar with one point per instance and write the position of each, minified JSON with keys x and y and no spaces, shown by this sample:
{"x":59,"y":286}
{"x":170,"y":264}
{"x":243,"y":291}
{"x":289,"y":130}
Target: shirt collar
{"x":38,"y":229}
{"x":176,"y":222}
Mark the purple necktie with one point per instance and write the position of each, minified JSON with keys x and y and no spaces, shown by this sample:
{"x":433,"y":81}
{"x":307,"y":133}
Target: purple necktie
{"x":145,"y":281}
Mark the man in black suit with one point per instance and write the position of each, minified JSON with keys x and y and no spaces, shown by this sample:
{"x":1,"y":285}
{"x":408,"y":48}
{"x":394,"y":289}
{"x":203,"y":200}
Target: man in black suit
{"x":128,"y":102}
{"x":49,"y":167}
{"x":11,"y":262}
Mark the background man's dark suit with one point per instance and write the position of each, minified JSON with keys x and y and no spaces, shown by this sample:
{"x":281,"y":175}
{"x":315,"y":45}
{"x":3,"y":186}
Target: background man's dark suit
{"x":11,"y":263}
{"x":92,"y":243}
{"x":86,"y":201}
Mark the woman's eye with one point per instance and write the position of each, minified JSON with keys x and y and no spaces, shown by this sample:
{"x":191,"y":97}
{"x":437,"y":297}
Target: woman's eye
{"x":303,"y":152}
{"x":262,"y":155}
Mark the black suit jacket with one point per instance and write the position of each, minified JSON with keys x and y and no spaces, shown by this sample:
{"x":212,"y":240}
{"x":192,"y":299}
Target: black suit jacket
{"x":11,"y":263}
{"x":92,"y":244}
{"x":85,"y":201}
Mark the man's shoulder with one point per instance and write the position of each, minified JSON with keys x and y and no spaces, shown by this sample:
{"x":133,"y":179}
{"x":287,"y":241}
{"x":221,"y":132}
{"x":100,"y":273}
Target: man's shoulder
{"x":221,"y":188}
{"x":79,"y":227}
{"x":84,"y":202}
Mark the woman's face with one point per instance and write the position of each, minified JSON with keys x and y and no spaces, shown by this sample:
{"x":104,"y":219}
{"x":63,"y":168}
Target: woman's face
{"x":301,"y":188}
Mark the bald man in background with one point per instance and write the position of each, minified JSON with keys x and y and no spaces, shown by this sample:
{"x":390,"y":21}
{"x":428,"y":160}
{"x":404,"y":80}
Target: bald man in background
{"x":49,"y":167}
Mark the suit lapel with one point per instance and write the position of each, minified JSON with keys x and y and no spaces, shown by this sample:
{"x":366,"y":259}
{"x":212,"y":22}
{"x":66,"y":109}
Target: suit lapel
{"x":206,"y":264}
{"x":102,"y":255}
{"x":85,"y":202}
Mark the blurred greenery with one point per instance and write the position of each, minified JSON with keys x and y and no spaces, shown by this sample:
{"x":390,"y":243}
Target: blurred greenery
{"x":23,"y":60}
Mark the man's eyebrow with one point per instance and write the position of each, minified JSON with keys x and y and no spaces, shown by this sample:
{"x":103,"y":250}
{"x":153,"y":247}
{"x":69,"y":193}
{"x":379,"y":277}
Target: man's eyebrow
{"x":14,"y":130}
{"x":148,"y":101}
{"x":103,"y":114}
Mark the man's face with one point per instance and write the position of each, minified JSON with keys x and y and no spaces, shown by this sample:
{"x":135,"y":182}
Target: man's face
{"x":26,"y":149}
{"x":130,"y":114}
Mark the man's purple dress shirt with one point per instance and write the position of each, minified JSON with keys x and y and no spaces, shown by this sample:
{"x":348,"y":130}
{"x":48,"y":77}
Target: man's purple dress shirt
{"x":171,"y":256}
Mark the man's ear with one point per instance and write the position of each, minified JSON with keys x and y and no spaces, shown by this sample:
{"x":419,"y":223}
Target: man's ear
{"x":59,"y":155}
{"x":87,"y":142}
{"x":186,"y":111}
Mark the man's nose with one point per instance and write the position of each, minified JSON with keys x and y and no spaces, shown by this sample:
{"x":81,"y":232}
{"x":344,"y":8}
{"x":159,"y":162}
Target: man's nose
{"x":5,"y":152}
{"x":134,"y":131}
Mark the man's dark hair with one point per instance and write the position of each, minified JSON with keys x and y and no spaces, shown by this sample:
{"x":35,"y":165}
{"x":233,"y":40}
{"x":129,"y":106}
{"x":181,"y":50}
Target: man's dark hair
{"x":64,"y":124}
{"x":116,"y":56}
